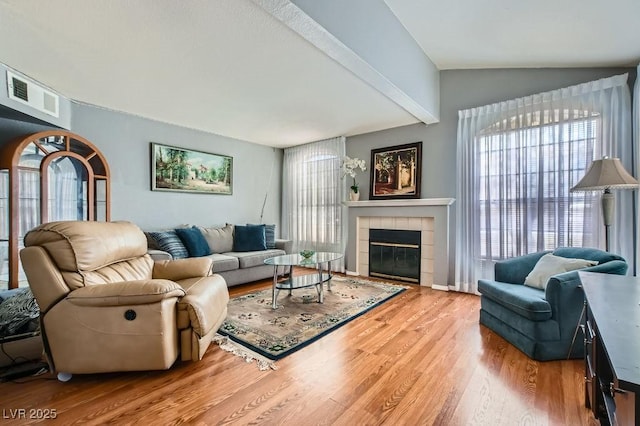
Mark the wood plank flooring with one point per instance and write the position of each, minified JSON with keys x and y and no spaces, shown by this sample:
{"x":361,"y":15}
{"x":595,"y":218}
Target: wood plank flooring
{"x":419,"y":359}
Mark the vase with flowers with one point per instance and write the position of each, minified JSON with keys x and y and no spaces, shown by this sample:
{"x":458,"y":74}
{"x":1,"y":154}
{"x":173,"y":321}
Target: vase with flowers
{"x":350,"y":167}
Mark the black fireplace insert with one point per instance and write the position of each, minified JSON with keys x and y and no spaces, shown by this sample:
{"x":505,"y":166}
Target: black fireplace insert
{"x":394,"y":254}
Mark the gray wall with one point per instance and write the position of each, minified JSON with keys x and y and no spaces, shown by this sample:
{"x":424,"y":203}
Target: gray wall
{"x":462,"y":89}
{"x":124,"y":140}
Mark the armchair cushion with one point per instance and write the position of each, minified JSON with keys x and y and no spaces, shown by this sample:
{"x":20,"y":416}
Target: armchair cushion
{"x":125,"y":293}
{"x":550,"y":265}
{"x":526,"y":301}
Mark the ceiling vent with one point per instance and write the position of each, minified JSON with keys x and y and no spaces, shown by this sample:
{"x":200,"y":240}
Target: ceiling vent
{"x":32,"y":94}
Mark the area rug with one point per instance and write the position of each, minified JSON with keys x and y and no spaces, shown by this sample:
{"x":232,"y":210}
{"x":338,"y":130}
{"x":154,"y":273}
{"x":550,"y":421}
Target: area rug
{"x":299,"y":319}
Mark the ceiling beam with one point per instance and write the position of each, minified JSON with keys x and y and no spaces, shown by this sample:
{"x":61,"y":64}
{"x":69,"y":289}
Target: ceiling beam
{"x":385,"y":56}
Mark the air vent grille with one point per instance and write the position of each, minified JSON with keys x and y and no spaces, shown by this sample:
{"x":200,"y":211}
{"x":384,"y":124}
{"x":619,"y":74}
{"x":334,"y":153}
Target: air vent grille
{"x":32,"y":94}
{"x":20,"y":89}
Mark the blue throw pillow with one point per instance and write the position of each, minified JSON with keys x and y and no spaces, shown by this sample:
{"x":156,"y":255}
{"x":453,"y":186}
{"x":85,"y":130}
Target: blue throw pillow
{"x":249,"y":238}
{"x":194,"y":241}
{"x":269,"y":235}
{"x":168,"y":241}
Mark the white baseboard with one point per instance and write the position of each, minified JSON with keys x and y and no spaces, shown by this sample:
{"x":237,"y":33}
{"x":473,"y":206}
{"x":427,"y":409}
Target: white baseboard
{"x":440,"y":287}
{"x":353,"y":274}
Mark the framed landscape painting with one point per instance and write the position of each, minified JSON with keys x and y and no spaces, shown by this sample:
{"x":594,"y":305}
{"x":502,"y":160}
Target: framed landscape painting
{"x":396,"y":171}
{"x":186,"y":170}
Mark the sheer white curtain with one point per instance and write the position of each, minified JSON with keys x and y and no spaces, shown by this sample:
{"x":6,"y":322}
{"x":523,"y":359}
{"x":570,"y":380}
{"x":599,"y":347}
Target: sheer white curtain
{"x":517,"y":160}
{"x":313,"y":190}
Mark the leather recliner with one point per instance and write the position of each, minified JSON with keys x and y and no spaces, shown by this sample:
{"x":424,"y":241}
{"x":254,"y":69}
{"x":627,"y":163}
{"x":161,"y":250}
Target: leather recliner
{"x":107,"y":306}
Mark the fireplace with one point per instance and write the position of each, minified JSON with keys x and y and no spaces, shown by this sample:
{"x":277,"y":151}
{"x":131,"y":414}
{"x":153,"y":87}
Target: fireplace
{"x":430,"y":216}
{"x":395,"y":253}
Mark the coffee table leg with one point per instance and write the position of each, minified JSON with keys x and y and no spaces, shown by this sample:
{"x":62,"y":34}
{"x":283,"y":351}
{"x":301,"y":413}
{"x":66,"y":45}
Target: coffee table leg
{"x":320,"y":285}
{"x":274,"y":290}
{"x":329,"y":276}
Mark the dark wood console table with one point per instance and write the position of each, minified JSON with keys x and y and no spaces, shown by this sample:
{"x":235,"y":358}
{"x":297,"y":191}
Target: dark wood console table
{"x":612,"y":347}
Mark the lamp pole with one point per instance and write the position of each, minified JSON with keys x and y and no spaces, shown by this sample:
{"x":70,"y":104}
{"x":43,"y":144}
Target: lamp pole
{"x":608,"y":206}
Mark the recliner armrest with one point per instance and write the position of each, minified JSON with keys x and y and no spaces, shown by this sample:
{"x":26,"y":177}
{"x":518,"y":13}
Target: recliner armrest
{"x":139,"y":292}
{"x":180,"y":269}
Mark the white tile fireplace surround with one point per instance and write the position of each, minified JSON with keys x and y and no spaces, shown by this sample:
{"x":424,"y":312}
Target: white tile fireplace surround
{"x":428,"y":215}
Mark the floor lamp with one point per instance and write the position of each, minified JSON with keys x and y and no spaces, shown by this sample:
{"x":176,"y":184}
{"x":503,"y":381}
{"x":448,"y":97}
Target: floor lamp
{"x":606,"y":174}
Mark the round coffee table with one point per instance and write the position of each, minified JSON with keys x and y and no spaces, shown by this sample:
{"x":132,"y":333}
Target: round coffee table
{"x":318,"y":261}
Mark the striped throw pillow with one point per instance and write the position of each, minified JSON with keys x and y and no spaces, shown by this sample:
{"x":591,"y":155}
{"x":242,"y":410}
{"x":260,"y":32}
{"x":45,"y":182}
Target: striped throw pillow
{"x":168,"y":241}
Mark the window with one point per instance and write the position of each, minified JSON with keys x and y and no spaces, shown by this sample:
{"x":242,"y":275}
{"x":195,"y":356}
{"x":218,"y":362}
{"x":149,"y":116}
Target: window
{"x":525,"y":173}
{"x":313,"y":190}
{"x":516,"y":163}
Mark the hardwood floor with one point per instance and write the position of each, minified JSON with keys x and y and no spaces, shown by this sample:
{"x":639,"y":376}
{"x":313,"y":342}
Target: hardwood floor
{"x":421,"y":358}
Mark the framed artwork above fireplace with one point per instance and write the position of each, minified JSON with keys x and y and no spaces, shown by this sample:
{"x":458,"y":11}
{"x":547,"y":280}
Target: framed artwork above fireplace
{"x":396,"y":172}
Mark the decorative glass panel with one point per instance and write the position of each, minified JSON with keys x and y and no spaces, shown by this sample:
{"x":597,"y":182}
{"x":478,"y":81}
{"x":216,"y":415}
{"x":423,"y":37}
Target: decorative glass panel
{"x":101,"y":199}
{"x":5,"y":215}
{"x":67,"y":189}
{"x":31,"y":156}
{"x":29,"y":200}
{"x":53,"y":144}
{"x":4,"y":265}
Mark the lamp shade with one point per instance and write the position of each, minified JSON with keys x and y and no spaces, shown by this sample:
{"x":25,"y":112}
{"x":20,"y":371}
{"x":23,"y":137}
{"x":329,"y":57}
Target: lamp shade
{"x":606,"y":173}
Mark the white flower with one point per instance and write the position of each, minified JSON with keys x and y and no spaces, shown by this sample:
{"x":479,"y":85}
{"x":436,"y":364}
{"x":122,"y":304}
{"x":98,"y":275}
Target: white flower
{"x":351,"y":165}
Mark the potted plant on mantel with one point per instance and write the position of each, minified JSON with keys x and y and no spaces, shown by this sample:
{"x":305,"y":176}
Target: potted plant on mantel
{"x":350,"y":167}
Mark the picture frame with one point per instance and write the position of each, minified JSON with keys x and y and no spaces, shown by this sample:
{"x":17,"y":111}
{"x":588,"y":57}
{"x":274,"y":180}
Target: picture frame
{"x":176,"y":169}
{"x":396,"y":172}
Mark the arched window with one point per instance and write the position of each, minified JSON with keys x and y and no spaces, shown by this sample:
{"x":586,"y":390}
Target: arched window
{"x":517,"y":161}
{"x":45,"y":177}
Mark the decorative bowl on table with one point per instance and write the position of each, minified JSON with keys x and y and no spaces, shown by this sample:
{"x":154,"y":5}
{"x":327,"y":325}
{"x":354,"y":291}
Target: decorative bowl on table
{"x":307,"y":253}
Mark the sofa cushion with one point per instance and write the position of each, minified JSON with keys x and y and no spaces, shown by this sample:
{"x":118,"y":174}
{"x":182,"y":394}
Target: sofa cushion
{"x":249,"y":238}
{"x":223,"y":262}
{"x":525,"y":301}
{"x":550,"y":265}
{"x":170,"y":242}
{"x":249,"y":259}
{"x":194,"y":241}
{"x":220,"y":239}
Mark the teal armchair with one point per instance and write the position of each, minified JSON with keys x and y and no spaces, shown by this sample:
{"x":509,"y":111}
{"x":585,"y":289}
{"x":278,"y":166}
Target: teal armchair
{"x":541,"y":323}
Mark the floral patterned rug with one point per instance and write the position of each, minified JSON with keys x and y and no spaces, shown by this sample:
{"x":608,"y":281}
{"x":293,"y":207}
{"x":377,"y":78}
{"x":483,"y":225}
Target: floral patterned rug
{"x":300,"y":319}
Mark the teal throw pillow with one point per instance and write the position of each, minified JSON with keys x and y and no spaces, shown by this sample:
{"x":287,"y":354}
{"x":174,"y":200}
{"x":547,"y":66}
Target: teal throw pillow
{"x":194,"y":241}
{"x":249,"y":238}
{"x":168,"y":241}
{"x":269,"y":235}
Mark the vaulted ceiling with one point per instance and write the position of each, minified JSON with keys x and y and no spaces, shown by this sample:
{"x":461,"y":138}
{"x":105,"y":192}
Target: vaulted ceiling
{"x":281,"y":73}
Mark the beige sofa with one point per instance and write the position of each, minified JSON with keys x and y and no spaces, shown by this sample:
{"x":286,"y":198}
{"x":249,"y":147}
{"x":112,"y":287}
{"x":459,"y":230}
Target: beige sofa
{"x":234,"y":266}
{"x":105,"y":305}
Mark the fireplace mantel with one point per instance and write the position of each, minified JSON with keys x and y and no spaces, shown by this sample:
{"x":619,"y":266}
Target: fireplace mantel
{"x":434,"y":214}
{"x":402,"y":203}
